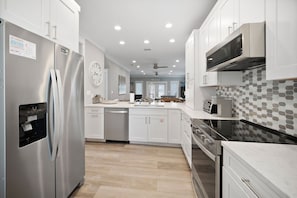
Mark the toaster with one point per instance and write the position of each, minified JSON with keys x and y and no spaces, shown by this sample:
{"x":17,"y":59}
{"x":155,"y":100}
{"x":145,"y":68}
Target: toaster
{"x":209,"y":107}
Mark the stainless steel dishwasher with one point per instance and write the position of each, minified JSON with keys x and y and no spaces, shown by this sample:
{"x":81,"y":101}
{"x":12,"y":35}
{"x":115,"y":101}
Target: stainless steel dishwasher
{"x":116,"y":124}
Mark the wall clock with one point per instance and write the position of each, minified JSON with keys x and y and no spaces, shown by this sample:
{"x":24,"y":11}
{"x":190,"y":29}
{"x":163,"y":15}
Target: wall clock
{"x":96,"y":73}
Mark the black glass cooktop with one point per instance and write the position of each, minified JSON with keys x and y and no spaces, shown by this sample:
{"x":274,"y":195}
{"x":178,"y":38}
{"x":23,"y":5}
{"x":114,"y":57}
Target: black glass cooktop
{"x":242,"y":130}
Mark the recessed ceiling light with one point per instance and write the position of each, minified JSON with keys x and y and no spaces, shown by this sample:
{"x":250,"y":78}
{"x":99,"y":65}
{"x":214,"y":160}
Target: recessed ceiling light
{"x":168,"y":25}
{"x":172,"y":40}
{"x":146,"y":41}
{"x":122,"y":42}
{"x":142,"y":71}
{"x":134,"y":61}
{"x":137,"y":66}
{"x":177,"y":61}
{"x":171,"y":71}
{"x":117,"y":27}
{"x":173,"y":66}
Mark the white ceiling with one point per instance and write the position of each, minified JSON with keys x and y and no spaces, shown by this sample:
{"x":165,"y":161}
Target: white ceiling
{"x":141,"y":20}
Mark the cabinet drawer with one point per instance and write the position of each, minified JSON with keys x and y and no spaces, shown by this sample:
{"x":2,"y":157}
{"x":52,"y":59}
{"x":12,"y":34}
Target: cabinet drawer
{"x":187,"y":148}
{"x":94,"y":110}
{"x":252,"y":183}
{"x":148,"y":111}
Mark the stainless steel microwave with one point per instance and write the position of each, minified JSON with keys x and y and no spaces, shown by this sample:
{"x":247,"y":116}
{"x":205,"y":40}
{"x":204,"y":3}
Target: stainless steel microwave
{"x":243,"y":49}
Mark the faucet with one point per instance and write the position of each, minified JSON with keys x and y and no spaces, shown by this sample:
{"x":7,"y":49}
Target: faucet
{"x":150,"y":100}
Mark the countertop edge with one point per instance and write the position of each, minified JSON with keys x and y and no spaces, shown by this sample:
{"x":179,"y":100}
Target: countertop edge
{"x":178,"y":106}
{"x":273,"y":186}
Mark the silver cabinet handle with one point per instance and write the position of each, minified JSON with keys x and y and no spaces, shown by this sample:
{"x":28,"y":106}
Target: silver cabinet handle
{"x":145,"y":120}
{"x":48,"y":28}
{"x":247,"y":182}
{"x":234,"y":25}
{"x":229,"y":30}
{"x":204,"y":79}
{"x":55,"y":32}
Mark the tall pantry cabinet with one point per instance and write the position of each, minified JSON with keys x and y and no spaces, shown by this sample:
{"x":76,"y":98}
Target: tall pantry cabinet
{"x":195,"y":95}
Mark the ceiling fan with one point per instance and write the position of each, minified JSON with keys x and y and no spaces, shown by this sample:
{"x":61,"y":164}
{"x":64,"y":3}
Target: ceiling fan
{"x":157,"y":67}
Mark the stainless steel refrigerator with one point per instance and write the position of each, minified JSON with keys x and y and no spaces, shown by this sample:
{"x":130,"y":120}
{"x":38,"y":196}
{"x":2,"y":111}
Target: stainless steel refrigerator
{"x":41,"y":116}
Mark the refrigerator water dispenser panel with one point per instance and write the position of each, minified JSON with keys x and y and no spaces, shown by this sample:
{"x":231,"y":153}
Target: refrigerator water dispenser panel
{"x":32,"y":123}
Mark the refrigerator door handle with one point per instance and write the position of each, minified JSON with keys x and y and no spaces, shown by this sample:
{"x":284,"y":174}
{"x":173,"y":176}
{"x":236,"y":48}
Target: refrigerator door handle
{"x":61,"y":108}
{"x":54,"y":132}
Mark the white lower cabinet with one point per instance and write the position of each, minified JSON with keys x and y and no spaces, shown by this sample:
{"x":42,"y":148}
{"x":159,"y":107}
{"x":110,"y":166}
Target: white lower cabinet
{"x":138,"y":128}
{"x":148,"y":125}
{"x":94,"y":123}
{"x":186,"y":138}
{"x":239,"y":180}
{"x":174,"y":126}
{"x":230,"y":187}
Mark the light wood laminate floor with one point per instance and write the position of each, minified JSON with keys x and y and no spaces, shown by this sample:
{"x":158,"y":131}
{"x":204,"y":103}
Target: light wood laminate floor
{"x":129,"y":170}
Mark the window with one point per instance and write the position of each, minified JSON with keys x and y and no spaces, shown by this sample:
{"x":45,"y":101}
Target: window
{"x":138,"y":88}
{"x":156,"y":89}
{"x":174,"y":88}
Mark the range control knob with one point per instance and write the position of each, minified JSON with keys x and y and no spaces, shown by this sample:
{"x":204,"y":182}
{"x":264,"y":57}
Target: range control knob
{"x":208,"y":141}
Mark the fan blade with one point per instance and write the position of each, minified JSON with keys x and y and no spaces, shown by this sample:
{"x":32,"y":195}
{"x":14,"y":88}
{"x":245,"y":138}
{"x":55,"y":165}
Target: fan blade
{"x":157,"y":67}
{"x":162,"y":66}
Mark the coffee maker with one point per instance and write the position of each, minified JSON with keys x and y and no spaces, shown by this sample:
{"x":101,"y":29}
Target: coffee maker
{"x":224,"y":106}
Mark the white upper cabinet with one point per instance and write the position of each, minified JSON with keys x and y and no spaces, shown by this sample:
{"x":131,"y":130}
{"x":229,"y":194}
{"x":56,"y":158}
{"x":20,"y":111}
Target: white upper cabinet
{"x":208,"y":38}
{"x":281,"y":39}
{"x":234,"y":13}
{"x":251,"y":11}
{"x":29,"y":14}
{"x":190,"y":70}
{"x":65,"y":23}
{"x":229,"y":18}
{"x":57,"y":20}
{"x":213,"y":31}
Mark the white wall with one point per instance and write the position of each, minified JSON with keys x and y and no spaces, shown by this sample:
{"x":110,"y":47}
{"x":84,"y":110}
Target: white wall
{"x":114,"y":70}
{"x":92,"y":53}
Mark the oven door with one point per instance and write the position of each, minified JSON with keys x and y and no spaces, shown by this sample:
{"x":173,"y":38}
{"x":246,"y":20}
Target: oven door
{"x":205,"y":171}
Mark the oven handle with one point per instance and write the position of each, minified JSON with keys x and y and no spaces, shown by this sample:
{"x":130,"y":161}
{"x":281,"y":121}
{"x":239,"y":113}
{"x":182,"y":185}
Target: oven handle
{"x":209,"y":154}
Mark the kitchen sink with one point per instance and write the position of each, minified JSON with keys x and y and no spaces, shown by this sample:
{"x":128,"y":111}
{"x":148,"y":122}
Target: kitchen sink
{"x":146,"y":104}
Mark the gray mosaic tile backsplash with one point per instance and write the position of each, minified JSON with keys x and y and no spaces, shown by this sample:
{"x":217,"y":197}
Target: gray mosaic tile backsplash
{"x":269,"y":103}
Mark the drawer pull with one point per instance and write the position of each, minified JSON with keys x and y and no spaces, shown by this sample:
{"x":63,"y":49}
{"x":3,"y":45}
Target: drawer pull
{"x":247,"y":182}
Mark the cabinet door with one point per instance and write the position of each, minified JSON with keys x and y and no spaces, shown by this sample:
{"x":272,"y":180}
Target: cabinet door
{"x":138,"y":128}
{"x":65,"y":23}
{"x":226,"y":18}
{"x":157,"y":128}
{"x":32,"y":15}
{"x":245,"y":7}
{"x":190,"y":70}
{"x":174,"y":126}
{"x":205,"y":78}
{"x":281,"y":39}
{"x":94,"y":123}
{"x":231,"y":189}
{"x":213,"y":30}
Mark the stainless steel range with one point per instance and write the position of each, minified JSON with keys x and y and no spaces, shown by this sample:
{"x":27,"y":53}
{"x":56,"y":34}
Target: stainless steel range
{"x":207,"y":152}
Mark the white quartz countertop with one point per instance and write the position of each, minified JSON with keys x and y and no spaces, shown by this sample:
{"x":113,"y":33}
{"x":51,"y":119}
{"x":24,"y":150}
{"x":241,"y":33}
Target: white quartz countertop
{"x":276,"y":163}
{"x":181,"y":106}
